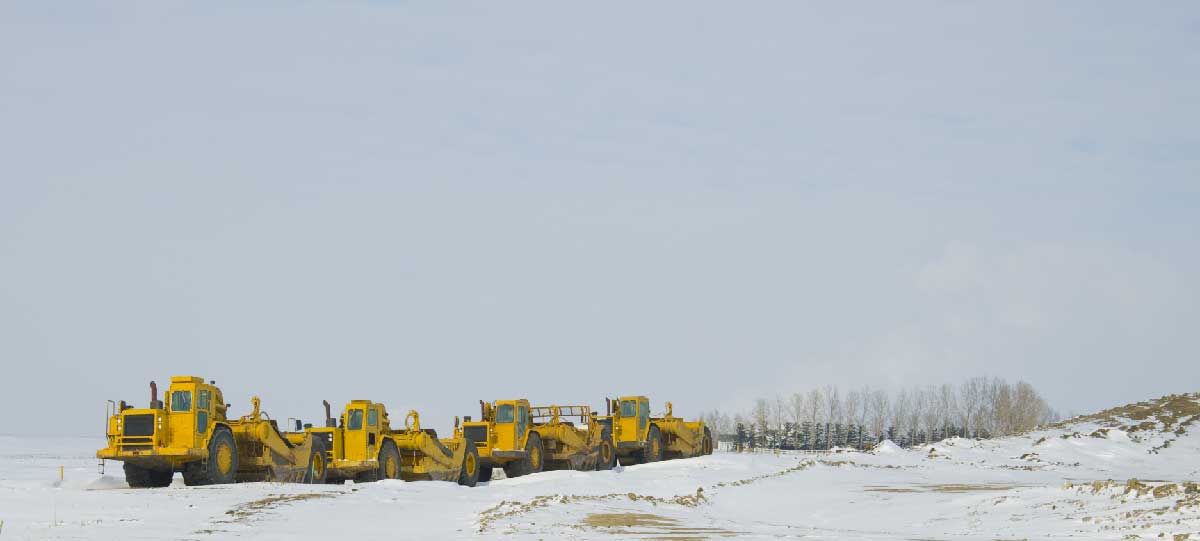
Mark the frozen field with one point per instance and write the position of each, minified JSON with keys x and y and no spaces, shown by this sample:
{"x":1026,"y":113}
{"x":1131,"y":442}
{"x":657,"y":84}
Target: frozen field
{"x":1073,"y":481}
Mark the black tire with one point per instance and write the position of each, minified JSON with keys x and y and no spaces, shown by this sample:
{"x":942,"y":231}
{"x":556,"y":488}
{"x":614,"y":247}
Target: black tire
{"x":606,"y":456}
{"x":220,"y":467}
{"x":535,"y":454}
{"x":139,"y":477}
{"x":369,"y":476}
{"x":318,"y":468}
{"x":389,"y":461}
{"x":653,"y":450}
{"x":468,"y":475}
{"x":514,"y":469}
{"x":485,"y":474}
{"x":708,"y":442}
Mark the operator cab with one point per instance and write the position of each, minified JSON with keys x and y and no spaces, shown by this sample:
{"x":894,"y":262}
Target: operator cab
{"x":364,"y":423}
{"x":512,"y":423}
{"x":633,"y":416}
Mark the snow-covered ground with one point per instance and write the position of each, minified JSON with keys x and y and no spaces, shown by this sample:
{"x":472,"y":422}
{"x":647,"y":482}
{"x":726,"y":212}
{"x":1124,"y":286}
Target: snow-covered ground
{"x":1076,"y":480}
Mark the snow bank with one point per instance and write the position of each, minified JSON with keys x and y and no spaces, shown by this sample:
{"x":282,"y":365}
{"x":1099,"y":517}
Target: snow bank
{"x":887,"y":447}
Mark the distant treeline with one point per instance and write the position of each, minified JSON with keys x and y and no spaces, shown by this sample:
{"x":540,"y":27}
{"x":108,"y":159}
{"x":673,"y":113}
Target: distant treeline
{"x":828,"y":417}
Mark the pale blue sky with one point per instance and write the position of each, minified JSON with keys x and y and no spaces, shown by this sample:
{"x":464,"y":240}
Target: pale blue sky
{"x":431,"y":203}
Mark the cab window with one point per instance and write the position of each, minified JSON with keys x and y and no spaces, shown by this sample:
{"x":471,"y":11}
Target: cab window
{"x":372,"y":417}
{"x":504,"y":413}
{"x":628,"y":408}
{"x":202,"y":399}
{"x":643,"y":413}
{"x":522,"y":420}
{"x":354,"y":420}
{"x":181,"y":401}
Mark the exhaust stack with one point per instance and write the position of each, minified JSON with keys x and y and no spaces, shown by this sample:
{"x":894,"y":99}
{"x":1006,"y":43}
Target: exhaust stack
{"x":154,"y":402}
{"x":329,"y":422}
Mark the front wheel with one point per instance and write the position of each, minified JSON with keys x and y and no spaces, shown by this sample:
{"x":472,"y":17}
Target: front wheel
{"x":653,"y":451}
{"x":535,"y":461}
{"x":139,"y":477}
{"x":607,"y":454}
{"x":389,"y":461}
{"x":318,"y":469}
{"x":469,"y":475}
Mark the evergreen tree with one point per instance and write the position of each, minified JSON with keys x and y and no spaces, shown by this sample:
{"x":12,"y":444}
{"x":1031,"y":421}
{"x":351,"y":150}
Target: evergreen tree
{"x":805,"y":436}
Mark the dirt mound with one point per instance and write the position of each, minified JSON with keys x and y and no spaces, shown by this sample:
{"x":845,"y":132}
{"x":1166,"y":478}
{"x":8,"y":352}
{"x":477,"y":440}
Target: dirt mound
{"x":1169,"y":414}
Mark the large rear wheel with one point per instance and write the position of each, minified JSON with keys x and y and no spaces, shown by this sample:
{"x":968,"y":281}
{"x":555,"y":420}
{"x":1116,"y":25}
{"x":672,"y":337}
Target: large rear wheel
{"x":139,"y":477}
{"x":221,"y":465}
{"x":469,"y":475}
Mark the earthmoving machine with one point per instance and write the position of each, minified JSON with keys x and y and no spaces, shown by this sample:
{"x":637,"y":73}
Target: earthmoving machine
{"x":572,"y":439}
{"x":191,"y":433}
{"x":642,"y":438}
{"x":362,"y":446}
{"x":524,"y":439}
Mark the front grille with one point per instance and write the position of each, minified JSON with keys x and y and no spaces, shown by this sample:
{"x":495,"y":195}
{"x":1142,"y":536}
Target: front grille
{"x":477,"y":434}
{"x":136,"y":439}
{"x":139,"y":425}
{"x":135,"y":447}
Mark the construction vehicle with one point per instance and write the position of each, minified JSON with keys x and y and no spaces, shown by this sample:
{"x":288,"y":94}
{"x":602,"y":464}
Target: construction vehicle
{"x":523,"y":439}
{"x":641,"y":437}
{"x":192,"y":434}
{"x":572,"y":439}
{"x":364,"y":447}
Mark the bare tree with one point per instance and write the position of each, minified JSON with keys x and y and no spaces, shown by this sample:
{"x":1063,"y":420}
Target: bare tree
{"x":880,"y":407}
{"x":978,"y":407}
{"x":931,"y":412}
{"x":864,"y":397}
{"x":1002,"y":408}
{"x":779,"y":412}
{"x":900,"y":412}
{"x":762,"y":416}
{"x":916,"y":411}
{"x":970,"y":400}
{"x":947,"y":408}
{"x":833,"y":404}
{"x":798,"y":408}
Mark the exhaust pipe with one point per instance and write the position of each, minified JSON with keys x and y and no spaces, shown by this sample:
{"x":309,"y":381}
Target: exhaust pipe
{"x":154,"y":403}
{"x":482,"y":411}
{"x":329,"y":422}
